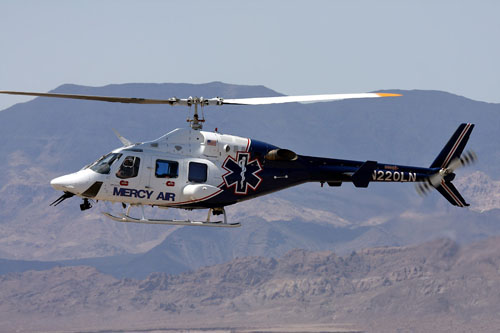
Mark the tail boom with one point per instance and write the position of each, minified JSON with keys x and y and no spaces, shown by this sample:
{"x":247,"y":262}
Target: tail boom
{"x":439,"y":175}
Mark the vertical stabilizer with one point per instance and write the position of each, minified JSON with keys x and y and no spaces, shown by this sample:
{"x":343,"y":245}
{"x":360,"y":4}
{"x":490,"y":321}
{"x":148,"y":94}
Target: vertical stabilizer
{"x":454,"y":147}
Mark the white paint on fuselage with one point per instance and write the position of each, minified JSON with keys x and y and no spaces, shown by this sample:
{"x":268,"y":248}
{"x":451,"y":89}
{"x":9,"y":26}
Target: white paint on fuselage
{"x":181,"y":145}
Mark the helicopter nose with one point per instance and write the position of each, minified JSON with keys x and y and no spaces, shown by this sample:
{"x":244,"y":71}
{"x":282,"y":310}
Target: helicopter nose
{"x":62,"y":183}
{"x":75,"y":183}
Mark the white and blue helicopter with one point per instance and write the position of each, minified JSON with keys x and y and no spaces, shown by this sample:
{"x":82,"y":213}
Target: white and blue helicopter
{"x":193,"y":169}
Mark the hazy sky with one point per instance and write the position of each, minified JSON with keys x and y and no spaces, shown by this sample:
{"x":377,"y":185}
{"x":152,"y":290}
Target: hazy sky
{"x":294,"y":47}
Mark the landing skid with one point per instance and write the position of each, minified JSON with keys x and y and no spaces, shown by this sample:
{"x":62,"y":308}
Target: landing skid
{"x":207,"y":223}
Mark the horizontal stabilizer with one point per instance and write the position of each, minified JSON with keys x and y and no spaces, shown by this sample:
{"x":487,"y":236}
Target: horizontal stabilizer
{"x":362,"y":176}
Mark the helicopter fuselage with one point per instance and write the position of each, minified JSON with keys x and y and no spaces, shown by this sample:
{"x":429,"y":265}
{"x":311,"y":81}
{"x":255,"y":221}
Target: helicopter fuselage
{"x":195,"y":169}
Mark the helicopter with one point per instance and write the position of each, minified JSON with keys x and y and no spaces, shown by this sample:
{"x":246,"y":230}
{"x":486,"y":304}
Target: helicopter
{"x":189,"y":168}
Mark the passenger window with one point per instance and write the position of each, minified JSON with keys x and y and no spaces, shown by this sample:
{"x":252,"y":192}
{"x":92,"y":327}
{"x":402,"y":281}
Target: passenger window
{"x":129,"y":167}
{"x":197,"y":172}
{"x":166,"y":169}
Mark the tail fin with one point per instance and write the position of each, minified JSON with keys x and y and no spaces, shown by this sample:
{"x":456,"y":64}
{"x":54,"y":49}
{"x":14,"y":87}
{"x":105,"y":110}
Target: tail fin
{"x":452,"y":150}
{"x":454,"y":147}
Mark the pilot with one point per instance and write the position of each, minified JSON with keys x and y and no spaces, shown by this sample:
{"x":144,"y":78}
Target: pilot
{"x":127,"y":168}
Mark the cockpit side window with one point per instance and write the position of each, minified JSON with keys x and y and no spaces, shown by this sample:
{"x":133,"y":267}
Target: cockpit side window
{"x":197,"y":172}
{"x":166,"y":169}
{"x":103,"y":165}
{"x":129,"y":167}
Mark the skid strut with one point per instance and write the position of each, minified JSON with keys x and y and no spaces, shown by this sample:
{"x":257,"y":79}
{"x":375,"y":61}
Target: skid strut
{"x":125,"y":217}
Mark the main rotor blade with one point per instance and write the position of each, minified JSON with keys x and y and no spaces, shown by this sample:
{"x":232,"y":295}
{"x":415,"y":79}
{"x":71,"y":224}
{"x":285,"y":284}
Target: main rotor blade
{"x":132,"y":100}
{"x":303,"y":99}
{"x":213,"y":101}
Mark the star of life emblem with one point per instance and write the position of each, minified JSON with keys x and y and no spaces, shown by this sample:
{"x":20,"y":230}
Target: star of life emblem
{"x":242,"y":173}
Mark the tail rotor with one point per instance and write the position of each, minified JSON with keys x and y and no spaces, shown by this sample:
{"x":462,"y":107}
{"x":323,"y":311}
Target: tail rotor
{"x":435,"y":180}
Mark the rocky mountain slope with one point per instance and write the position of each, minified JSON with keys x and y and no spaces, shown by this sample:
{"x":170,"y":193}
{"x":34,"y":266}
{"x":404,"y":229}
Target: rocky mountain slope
{"x":438,"y":286}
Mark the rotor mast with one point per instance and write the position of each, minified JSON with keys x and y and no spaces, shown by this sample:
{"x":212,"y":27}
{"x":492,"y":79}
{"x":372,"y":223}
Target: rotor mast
{"x":196,"y":123}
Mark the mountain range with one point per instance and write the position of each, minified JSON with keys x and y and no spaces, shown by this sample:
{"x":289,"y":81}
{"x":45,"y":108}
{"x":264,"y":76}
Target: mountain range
{"x":45,"y":138}
{"x":438,"y":286}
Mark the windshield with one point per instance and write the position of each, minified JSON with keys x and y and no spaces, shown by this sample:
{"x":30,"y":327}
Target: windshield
{"x":103,"y":165}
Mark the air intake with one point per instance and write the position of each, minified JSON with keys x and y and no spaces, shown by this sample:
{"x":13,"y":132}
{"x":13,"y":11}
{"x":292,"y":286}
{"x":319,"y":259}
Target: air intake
{"x":281,"y":155}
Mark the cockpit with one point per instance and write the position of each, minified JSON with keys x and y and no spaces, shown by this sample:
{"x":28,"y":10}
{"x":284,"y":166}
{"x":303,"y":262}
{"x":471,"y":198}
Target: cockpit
{"x":103,"y":164}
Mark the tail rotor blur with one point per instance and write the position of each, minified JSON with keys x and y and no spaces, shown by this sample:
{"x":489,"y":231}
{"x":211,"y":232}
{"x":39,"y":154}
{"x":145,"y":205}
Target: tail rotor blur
{"x":435,"y":180}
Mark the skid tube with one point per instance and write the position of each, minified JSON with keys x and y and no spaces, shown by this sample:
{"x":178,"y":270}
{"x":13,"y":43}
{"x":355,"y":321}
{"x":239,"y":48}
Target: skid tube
{"x":125,"y":217}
